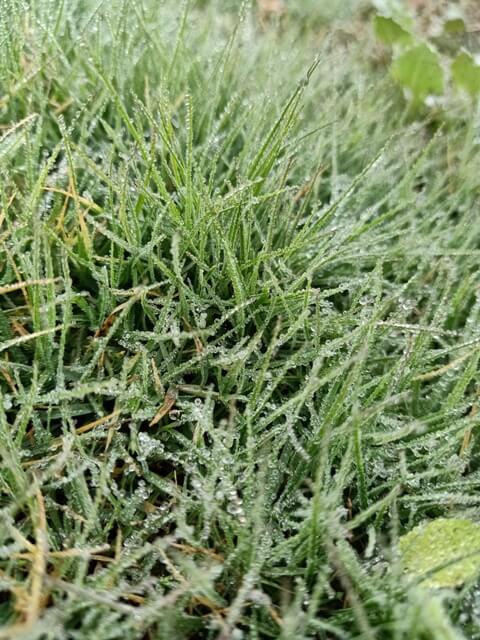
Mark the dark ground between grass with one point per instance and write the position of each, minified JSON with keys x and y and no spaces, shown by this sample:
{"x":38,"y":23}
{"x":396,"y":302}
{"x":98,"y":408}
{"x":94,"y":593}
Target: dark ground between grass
{"x":239,"y":326}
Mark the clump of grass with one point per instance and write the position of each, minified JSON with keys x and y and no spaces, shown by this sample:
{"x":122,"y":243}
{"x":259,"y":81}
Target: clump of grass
{"x":238,"y":329}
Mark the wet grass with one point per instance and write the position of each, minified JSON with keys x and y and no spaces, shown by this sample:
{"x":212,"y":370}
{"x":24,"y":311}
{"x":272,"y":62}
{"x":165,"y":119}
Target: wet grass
{"x":239,"y":322}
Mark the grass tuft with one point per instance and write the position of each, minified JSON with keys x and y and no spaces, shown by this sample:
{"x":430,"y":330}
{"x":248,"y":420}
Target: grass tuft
{"x":239,"y":319}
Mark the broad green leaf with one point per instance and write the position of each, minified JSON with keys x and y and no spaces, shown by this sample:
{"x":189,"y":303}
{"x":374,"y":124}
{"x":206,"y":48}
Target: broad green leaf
{"x":442,"y":553}
{"x":454,"y":20}
{"x":454,"y":26}
{"x":466,"y":73}
{"x":418,"y":70}
{"x":397,"y":10}
{"x":390,"y":32}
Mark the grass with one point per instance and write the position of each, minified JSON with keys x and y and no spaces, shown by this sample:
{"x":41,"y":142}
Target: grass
{"x":239,"y":326}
